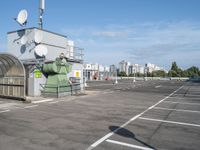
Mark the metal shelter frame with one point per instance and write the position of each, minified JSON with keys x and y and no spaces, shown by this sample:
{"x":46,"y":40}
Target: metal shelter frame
{"x":12,"y":77}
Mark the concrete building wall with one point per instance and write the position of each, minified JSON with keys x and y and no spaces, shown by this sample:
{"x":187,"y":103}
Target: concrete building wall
{"x":35,"y":84}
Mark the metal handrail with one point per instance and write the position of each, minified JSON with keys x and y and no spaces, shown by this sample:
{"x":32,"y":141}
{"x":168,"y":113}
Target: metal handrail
{"x":58,"y":87}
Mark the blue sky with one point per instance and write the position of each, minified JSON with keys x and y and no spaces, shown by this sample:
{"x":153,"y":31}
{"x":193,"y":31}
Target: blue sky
{"x":140,"y":31}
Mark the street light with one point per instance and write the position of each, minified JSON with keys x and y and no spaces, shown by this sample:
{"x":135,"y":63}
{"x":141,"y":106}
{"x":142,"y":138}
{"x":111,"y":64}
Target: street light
{"x":145,"y":74}
{"x":134,"y":75}
{"x":85,"y":77}
{"x":116,"y":82}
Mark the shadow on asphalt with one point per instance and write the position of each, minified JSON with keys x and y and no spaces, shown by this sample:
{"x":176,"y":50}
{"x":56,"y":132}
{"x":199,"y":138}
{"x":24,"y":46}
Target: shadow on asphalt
{"x":128,"y":134}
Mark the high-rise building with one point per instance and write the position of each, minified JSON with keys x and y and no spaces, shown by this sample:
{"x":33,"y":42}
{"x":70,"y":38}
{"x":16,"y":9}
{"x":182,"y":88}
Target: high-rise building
{"x":136,"y":68}
{"x":152,"y":67}
{"x":95,"y":71}
{"x":124,"y":66}
{"x":113,"y":70}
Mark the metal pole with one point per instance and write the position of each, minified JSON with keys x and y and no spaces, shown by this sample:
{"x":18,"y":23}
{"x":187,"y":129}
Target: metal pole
{"x":116,"y":82}
{"x":57,"y":91}
{"x":86,"y":74}
{"x":146,"y":75}
{"x":134,"y":76}
{"x":40,"y":21}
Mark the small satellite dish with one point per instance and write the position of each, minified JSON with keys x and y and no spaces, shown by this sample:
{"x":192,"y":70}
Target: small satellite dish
{"x":23,"y":40}
{"x":38,"y":37}
{"x":22,"y":17}
{"x":41,"y":50}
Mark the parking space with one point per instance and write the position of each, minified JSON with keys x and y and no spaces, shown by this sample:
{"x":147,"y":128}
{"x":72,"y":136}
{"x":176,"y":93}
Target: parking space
{"x":171,"y":123}
{"x":142,"y":115}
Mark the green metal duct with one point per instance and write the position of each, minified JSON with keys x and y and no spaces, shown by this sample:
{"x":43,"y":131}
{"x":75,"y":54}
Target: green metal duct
{"x":57,"y":81}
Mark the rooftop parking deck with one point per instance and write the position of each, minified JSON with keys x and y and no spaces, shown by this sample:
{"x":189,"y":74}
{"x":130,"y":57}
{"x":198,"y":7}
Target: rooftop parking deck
{"x":141,"y":115}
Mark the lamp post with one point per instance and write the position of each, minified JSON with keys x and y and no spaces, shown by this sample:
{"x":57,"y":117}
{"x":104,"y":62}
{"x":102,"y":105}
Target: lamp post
{"x":85,"y":77}
{"x":116,"y":82}
{"x":145,"y":73}
{"x":134,"y":75}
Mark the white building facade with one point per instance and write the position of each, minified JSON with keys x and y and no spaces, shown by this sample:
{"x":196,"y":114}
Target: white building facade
{"x":95,"y":71}
{"x":124,"y":67}
{"x":152,"y":67}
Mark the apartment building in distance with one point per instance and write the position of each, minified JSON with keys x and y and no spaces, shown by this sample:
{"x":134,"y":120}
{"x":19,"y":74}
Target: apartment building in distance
{"x":95,"y":71}
{"x":136,"y":68}
{"x":124,"y":66}
{"x":113,"y":70}
{"x":152,"y":67}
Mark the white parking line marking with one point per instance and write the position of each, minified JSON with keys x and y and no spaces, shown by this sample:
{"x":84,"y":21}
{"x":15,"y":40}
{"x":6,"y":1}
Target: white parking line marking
{"x":187,"y":98}
{"x":158,"y":86}
{"x":4,"y":111}
{"x":53,"y":102}
{"x":42,"y":101}
{"x":128,"y":145}
{"x":183,"y":94}
{"x":181,"y":103}
{"x":197,"y":95}
{"x":31,"y":106}
{"x":102,"y":85}
{"x":95,"y":144}
{"x":171,"y":122}
{"x":183,"y":110}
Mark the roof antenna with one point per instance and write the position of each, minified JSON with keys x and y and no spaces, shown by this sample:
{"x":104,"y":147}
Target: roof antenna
{"x":41,"y":11}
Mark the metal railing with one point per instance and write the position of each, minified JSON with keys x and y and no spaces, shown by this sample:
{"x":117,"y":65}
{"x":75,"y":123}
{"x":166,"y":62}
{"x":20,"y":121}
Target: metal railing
{"x":60,"y":90}
{"x":75,"y":53}
{"x":152,"y":78}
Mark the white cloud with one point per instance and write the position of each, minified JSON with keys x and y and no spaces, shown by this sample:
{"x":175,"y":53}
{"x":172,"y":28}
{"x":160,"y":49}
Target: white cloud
{"x":140,"y":43}
{"x":110,"y":34}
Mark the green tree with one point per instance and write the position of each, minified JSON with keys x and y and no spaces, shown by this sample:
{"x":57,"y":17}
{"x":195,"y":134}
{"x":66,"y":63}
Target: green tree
{"x":172,"y":73}
{"x":193,"y":71}
{"x":159,"y":73}
{"x":175,"y":70}
{"x":184,"y":73}
{"x":149,"y":74}
{"x":131,"y":75}
{"x":139,"y":74}
{"x":179,"y":72}
{"x":122,"y":74}
{"x":174,"y":66}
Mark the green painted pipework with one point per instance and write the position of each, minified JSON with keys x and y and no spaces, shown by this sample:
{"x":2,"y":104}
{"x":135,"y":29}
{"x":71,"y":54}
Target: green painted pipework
{"x":57,"y":81}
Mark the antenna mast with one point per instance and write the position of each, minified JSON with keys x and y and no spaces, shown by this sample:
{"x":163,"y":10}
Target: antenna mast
{"x":41,"y":11}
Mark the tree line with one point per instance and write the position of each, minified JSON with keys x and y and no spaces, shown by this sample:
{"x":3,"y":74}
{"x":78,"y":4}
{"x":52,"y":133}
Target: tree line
{"x":175,"y":71}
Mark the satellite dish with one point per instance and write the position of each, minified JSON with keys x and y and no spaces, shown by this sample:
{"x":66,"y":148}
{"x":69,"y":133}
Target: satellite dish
{"x":22,"y":17}
{"x":23,"y":40}
{"x":41,"y":50}
{"x":38,"y":37}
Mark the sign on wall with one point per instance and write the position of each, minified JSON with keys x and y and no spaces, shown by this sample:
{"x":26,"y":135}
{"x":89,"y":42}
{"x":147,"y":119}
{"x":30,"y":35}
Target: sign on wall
{"x":77,"y":73}
{"x":37,"y":73}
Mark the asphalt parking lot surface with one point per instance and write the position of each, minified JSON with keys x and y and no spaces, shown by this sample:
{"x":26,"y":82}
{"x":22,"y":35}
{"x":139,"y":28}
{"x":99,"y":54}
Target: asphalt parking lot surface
{"x":142,"y":115}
